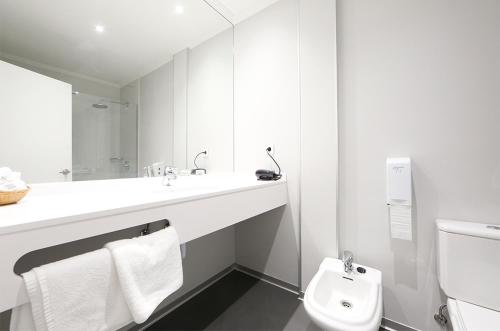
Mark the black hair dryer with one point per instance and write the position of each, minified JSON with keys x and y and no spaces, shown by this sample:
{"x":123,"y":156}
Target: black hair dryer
{"x":263,"y":174}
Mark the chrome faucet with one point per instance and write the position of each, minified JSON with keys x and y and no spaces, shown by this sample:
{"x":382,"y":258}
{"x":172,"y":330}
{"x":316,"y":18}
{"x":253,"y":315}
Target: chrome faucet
{"x":347,"y":258}
{"x":169,"y":174}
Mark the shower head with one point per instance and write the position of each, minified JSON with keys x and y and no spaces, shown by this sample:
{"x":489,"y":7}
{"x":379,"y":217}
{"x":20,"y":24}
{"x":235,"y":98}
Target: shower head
{"x":100,"y":106}
{"x":105,"y":104}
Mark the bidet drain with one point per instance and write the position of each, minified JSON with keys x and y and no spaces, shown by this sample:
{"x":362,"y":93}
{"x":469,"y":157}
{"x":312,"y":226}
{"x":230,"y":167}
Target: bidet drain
{"x":346,"y":304}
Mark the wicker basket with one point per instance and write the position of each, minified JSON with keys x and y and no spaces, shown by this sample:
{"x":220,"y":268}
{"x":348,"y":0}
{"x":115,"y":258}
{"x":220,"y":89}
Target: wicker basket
{"x":7,"y":198}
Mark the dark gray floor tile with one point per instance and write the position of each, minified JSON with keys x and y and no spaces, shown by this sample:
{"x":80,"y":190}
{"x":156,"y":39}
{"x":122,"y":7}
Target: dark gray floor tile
{"x":263,"y":307}
{"x":239,"y":302}
{"x":236,"y":302}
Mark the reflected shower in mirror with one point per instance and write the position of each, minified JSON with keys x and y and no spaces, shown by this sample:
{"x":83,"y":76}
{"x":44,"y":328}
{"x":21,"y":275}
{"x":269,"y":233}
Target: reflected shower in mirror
{"x":94,"y":90}
{"x":104,"y":138}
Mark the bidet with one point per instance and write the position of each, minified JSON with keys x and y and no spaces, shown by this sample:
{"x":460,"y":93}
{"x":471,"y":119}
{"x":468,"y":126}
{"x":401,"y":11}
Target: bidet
{"x":345,"y":301}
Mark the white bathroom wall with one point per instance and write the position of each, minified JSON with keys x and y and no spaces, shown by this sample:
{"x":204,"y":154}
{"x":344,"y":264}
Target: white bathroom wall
{"x":180,"y":109}
{"x":285,"y":97}
{"x":267,"y":113}
{"x":35,"y":115}
{"x":186,"y":106}
{"x":418,"y":79}
{"x":210,"y":103}
{"x":156,"y":116}
{"x":319,"y":150}
{"x":128,"y":129}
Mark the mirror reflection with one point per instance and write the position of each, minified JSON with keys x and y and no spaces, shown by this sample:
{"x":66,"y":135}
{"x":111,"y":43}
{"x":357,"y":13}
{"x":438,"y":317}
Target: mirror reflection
{"x":104,"y":89}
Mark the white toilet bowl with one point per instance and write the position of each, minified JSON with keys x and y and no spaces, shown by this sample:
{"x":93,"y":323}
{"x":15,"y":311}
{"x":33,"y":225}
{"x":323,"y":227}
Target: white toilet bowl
{"x":340,"y":301}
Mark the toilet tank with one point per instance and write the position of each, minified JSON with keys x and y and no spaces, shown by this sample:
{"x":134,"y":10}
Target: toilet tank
{"x":468,"y":262}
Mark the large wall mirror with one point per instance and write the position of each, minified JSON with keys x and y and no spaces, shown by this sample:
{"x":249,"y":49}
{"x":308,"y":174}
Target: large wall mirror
{"x":100,"y":89}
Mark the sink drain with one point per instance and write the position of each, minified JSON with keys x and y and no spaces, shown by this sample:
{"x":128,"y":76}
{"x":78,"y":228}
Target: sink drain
{"x":346,"y":304}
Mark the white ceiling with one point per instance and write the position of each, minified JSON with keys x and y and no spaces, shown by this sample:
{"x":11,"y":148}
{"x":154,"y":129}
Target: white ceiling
{"x":139,"y":36}
{"x":239,"y":10}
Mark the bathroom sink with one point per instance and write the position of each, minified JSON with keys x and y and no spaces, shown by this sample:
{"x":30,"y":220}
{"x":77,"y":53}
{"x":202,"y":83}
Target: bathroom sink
{"x":182,"y":185}
{"x":337,"y":300}
{"x":181,"y":189}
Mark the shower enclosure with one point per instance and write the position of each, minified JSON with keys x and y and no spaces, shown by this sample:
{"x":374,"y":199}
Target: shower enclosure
{"x":104,"y":138}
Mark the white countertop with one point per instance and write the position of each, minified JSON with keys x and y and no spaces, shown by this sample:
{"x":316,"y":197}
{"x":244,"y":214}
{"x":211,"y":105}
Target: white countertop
{"x":59,"y":203}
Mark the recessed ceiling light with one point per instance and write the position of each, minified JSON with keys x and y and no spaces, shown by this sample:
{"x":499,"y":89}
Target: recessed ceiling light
{"x":99,"y":28}
{"x":179,"y":9}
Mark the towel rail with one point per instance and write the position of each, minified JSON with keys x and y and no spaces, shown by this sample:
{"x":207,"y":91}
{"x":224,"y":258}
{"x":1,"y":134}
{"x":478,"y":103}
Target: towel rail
{"x":63,"y":251}
{"x":147,"y":231}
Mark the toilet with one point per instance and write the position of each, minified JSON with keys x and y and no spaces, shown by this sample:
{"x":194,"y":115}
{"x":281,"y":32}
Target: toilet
{"x":468,"y":263}
{"x":345,"y":301}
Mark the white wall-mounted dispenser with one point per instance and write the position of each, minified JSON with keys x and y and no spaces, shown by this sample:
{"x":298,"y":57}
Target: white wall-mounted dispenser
{"x":399,"y":197}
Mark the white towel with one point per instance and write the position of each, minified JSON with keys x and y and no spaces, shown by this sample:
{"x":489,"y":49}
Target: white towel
{"x":21,"y":318}
{"x":79,"y":293}
{"x":11,"y":180}
{"x":149,"y":269}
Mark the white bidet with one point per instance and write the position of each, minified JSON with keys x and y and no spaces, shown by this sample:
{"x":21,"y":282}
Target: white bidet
{"x":340,"y":301}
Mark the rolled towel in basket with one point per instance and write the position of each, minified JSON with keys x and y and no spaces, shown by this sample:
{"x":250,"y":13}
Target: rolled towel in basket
{"x":11,"y":180}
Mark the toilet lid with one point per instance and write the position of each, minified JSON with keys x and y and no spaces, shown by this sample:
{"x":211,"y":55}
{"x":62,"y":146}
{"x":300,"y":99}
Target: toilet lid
{"x":469,"y":317}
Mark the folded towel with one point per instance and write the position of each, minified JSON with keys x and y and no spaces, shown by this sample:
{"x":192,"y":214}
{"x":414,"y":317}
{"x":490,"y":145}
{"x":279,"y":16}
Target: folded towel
{"x":79,"y":293}
{"x":149,"y":269}
{"x":11,"y":180}
{"x":5,"y":171}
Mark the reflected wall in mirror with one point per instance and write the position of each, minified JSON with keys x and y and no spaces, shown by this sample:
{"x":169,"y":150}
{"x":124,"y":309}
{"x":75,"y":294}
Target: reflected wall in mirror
{"x":106,"y":88}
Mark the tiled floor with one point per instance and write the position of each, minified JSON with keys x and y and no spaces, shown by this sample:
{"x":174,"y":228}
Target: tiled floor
{"x":239,"y":302}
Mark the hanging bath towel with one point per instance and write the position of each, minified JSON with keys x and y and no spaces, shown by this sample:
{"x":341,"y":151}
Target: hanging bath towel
{"x":149,"y":269}
{"x":81,"y":293}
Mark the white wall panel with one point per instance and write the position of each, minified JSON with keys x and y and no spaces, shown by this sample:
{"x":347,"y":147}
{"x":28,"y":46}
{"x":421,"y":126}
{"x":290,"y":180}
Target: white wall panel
{"x":319,"y":152}
{"x":267,"y":112}
{"x":180,"y":109}
{"x":210,"y":103}
{"x":156,"y":117}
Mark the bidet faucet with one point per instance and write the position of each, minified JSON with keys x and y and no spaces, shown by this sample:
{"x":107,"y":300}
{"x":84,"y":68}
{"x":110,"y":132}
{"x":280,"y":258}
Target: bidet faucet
{"x":347,"y":258}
